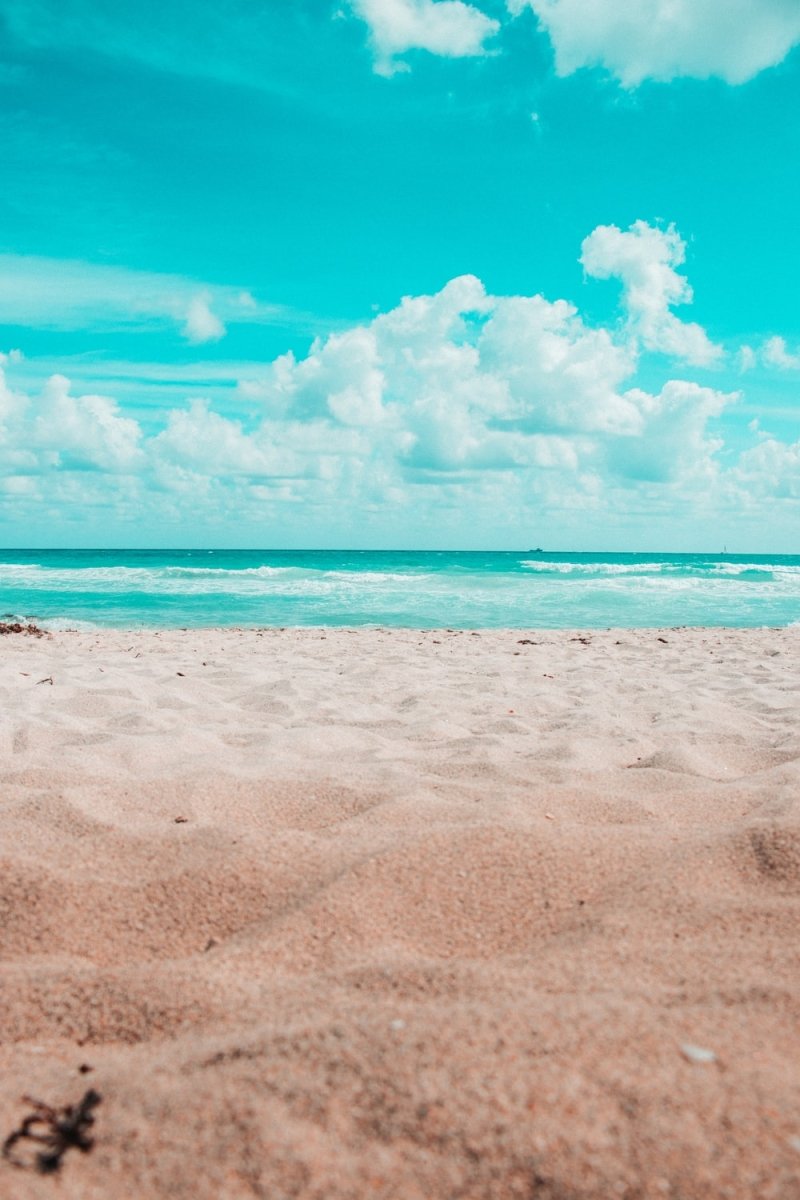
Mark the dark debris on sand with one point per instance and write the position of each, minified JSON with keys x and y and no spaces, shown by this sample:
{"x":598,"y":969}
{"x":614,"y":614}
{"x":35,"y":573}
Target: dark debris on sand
{"x":56,"y":1130}
{"x":18,"y":627}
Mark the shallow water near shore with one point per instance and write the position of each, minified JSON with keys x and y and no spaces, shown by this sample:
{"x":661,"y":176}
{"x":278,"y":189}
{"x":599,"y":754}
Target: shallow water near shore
{"x":412,"y":589}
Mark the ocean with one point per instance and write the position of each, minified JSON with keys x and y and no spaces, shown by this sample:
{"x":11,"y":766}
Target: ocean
{"x":82,"y":589}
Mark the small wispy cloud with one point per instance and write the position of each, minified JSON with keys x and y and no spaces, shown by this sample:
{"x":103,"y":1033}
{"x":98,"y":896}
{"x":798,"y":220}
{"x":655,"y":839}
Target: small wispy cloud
{"x":202,"y":324}
{"x":65,"y":294}
{"x":776,"y":354}
{"x":773,"y":352}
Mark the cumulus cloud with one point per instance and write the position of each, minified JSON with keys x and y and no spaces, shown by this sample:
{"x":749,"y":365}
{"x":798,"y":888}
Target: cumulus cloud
{"x":644,"y":258}
{"x":559,"y":374}
{"x":460,"y":380}
{"x":666,"y":39}
{"x":57,"y":430}
{"x":463,"y":381}
{"x":772,"y":468}
{"x":672,"y":439}
{"x":450,"y":28}
{"x":199,"y":441}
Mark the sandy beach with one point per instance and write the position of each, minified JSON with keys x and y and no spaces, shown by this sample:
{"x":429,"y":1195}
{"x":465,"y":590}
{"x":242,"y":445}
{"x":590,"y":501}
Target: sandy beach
{"x":333,"y":914}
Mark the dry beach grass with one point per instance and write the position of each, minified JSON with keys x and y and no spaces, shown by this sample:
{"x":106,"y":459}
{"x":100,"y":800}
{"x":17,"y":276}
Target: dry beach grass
{"x":337,"y":914}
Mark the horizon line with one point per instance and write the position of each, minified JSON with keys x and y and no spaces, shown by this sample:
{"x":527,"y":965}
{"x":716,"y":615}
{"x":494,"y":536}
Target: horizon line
{"x":377,"y":550}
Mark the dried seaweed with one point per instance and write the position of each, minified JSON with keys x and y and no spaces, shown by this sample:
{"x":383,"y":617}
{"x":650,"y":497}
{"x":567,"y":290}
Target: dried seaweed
{"x":18,"y":627}
{"x":57,"y":1130}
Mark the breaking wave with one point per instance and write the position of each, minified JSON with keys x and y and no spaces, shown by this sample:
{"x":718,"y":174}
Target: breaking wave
{"x":175,"y":588}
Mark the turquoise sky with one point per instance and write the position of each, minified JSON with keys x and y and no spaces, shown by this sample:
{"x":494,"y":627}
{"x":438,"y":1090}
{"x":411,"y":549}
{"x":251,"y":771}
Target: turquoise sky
{"x":400,"y":273}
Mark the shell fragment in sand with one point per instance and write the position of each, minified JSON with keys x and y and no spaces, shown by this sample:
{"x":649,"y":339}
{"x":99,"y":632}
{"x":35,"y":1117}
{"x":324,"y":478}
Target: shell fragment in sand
{"x":697,"y":1054}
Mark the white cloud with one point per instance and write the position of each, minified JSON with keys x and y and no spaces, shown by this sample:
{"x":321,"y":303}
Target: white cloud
{"x":772,"y":468}
{"x":746,"y":358}
{"x":82,"y":432}
{"x":559,"y":373}
{"x":340,"y":377}
{"x":202,"y":442}
{"x":462,"y":381}
{"x":15,"y":455}
{"x":644,"y":258}
{"x":446,"y":27}
{"x":672,"y":441}
{"x":202,"y":325}
{"x":51,"y":293}
{"x":666,"y":39}
{"x":775,"y":354}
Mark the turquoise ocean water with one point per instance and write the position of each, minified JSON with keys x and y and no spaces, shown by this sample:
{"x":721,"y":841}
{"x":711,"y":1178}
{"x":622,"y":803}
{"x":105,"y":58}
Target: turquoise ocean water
{"x":163,"y":588}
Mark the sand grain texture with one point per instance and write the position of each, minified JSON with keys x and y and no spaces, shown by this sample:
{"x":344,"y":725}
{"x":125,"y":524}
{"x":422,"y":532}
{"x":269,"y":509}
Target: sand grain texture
{"x":437,"y":916}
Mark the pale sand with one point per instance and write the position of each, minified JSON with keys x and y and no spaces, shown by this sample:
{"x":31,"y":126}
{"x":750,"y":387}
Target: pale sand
{"x":442,"y":914}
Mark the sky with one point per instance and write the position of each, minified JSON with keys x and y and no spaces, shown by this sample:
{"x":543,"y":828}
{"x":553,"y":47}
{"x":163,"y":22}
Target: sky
{"x":400,"y":273}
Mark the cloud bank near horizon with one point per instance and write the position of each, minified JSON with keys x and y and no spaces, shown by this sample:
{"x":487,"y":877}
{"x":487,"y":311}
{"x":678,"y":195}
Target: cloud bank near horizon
{"x":456,"y":399}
